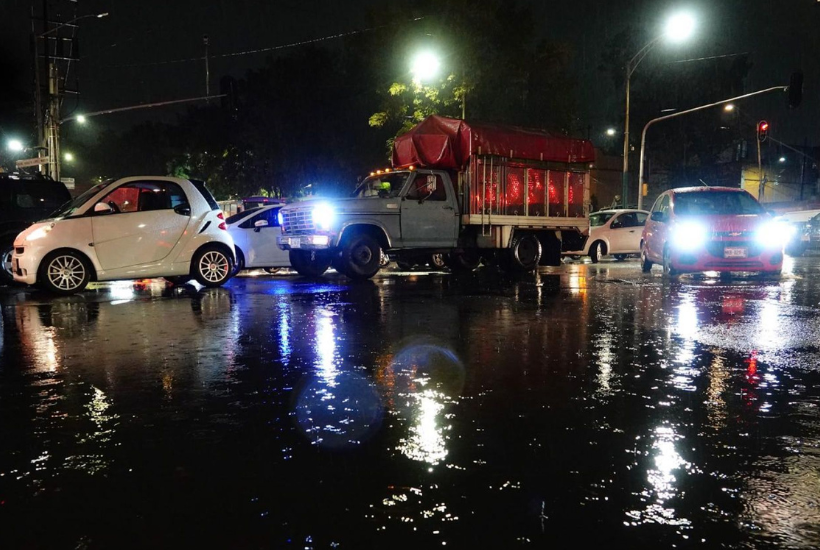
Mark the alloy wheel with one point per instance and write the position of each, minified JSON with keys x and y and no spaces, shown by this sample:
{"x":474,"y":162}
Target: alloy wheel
{"x":214,"y":266}
{"x":66,"y":273}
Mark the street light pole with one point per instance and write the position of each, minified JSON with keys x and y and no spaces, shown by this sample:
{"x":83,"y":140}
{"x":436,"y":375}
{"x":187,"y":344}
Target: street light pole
{"x":630,"y":68}
{"x":686,"y":112}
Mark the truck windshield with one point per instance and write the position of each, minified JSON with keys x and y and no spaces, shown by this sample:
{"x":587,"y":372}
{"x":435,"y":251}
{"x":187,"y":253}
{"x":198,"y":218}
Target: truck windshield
{"x":385,"y":186}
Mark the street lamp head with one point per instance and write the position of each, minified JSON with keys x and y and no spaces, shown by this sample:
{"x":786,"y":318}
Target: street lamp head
{"x":15,"y":145}
{"x":424,"y":66}
{"x":610,"y":131}
{"x":680,"y":27}
{"x":729,"y":107}
{"x":81,"y":119}
{"x":782,"y":159}
{"x":101,"y":15}
{"x":68,"y":157}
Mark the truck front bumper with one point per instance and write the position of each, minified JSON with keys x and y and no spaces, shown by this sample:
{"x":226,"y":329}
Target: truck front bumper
{"x":304,"y":242}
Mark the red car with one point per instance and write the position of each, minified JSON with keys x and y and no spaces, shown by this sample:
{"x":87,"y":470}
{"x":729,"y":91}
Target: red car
{"x":712,"y":229}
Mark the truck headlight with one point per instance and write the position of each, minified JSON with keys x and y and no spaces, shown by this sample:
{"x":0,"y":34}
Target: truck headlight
{"x":281,"y":219}
{"x":323,"y":216}
{"x":688,"y":236}
{"x":774,"y":233}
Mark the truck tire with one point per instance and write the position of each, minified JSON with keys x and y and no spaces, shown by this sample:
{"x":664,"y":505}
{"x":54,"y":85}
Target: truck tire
{"x":550,"y":250}
{"x":309,"y":263}
{"x":525,"y":253}
{"x":361,"y":256}
{"x":462,"y":262}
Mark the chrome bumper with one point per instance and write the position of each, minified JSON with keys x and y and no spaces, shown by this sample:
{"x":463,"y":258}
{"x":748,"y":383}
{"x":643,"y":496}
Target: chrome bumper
{"x":304,"y":242}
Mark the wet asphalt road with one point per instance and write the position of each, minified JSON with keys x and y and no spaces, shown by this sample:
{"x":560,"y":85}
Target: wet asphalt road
{"x":586,"y":405}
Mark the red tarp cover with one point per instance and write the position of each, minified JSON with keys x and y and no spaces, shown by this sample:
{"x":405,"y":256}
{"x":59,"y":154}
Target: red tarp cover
{"x":448,"y":143}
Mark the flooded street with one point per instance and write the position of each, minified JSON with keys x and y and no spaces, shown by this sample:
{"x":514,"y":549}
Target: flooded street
{"x":585,"y":405}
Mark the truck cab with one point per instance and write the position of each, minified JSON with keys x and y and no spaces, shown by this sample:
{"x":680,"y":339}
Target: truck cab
{"x":390,"y":210}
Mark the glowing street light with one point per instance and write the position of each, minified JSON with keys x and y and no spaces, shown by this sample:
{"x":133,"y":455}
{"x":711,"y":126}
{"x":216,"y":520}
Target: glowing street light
{"x":15,"y":145}
{"x":680,"y":27}
{"x":729,"y":107}
{"x":81,"y":119}
{"x":68,"y":157}
{"x":424,"y":67}
{"x":611,"y":131}
{"x":782,"y":159}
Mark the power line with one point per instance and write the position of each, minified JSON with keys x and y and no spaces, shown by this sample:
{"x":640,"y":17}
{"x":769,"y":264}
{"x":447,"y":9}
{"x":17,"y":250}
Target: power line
{"x":708,"y":58}
{"x":262,"y":50}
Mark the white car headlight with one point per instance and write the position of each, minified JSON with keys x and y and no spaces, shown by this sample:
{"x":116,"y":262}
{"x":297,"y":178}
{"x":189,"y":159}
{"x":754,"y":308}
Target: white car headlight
{"x":323,"y":216}
{"x":688,"y":235}
{"x":39,"y":233}
{"x":775,"y":233}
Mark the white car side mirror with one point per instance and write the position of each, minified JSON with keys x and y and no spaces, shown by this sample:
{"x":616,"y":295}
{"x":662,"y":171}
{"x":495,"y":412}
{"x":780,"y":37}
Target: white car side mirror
{"x":102,"y":208}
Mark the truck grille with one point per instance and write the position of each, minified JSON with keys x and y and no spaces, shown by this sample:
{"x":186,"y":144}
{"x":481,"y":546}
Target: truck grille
{"x":298,"y":221}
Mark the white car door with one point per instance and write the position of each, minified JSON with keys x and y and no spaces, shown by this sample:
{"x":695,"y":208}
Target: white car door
{"x":144,"y":227}
{"x":260,"y":240}
{"x":622,"y":231}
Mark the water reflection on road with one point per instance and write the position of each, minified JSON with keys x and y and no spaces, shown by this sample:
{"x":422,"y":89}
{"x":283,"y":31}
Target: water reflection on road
{"x":583,"y":405}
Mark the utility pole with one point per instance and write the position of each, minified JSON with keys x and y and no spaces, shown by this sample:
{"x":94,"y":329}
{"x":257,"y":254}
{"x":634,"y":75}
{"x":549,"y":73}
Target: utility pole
{"x":53,"y":122}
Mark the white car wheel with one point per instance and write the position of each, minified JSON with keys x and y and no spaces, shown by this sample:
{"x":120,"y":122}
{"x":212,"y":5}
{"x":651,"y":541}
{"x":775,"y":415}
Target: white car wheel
{"x":64,"y":273}
{"x":212,"y":267}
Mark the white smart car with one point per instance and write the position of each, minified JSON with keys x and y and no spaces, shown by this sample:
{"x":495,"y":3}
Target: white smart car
{"x":617,"y":232}
{"x":131,"y":228}
{"x":254,"y":233}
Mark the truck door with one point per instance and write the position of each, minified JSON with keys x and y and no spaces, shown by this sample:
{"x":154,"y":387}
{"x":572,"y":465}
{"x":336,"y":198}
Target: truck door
{"x":429,"y":217}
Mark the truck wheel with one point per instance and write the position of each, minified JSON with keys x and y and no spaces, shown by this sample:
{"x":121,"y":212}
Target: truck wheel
{"x":463,"y":261}
{"x":361,"y":256}
{"x":525,"y":253}
{"x":309,"y":263}
{"x":437,"y":261}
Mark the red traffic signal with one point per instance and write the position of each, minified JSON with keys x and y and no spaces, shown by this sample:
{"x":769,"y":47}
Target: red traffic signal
{"x":762,"y":130}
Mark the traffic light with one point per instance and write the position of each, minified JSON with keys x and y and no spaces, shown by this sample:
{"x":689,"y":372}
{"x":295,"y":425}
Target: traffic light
{"x":762,"y":131}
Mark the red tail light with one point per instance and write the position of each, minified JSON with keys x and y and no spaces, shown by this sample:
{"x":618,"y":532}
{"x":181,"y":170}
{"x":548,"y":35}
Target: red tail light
{"x":223,"y":227}
{"x":221,"y":216}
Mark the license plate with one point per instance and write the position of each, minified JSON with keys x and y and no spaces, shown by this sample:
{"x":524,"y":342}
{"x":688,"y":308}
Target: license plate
{"x":296,"y":243}
{"x":731,"y":252}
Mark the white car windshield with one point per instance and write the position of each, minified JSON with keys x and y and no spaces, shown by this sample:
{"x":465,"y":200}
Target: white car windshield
{"x":68,"y":208}
{"x":385,"y":186}
{"x":600,"y":218}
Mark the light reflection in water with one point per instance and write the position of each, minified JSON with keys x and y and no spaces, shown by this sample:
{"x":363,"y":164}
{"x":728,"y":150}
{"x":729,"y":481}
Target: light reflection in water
{"x":715,"y":400}
{"x":605,"y":358}
{"x":97,"y":438}
{"x":284,"y":331}
{"x":326,"y":347}
{"x":687,"y":328}
{"x":426,"y":442}
{"x":662,"y":479}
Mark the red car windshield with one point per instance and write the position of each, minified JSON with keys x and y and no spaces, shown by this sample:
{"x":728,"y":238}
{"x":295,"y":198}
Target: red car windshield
{"x":716,"y":203}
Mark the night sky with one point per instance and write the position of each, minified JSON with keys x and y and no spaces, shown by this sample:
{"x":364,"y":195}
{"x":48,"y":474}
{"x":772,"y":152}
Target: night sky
{"x":123,"y":55}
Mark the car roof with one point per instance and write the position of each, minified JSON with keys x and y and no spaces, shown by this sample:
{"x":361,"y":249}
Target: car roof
{"x":705,"y":189}
{"x":619,"y":211}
